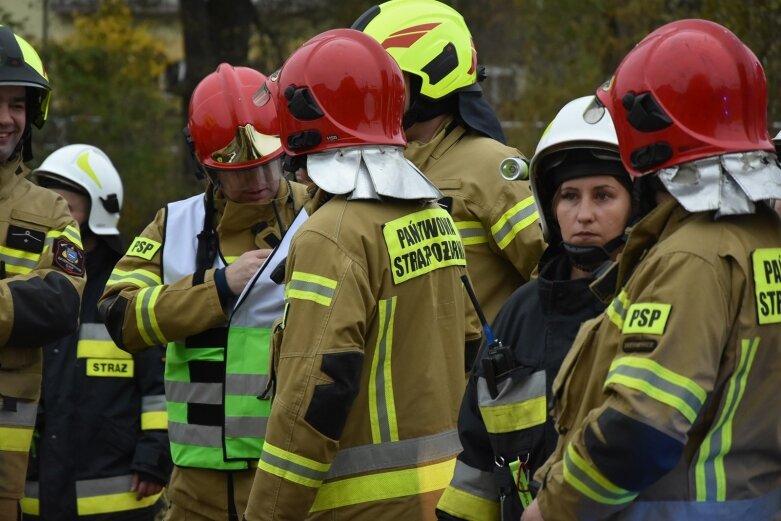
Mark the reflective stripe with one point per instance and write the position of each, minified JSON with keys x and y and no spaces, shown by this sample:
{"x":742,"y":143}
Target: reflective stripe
{"x":587,"y":480}
{"x":464,"y":505}
{"x":514,"y":221}
{"x":190,"y":434}
{"x":188,"y":392}
{"x":30,"y":504}
{"x":146,"y":320}
{"x":15,"y":439}
{"x":245,"y":426}
{"x":70,"y":232}
{"x":23,"y":416}
{"x":292,"y":467}
{"x":245,"y":384}
{"x":404,"y":453}
{"x":139,"y":278}
{"x":519,"y":405}
{"x":616,"y":311}
{"x":153,"y":402}
{"x":382,"y":407}
{"x":95,"y":342}
{"x":711,"y":480}
{"x":659,"y":383}
{"x":475,"y":481}
{"x":306,"y":286}
{"x":107,"y":495}
{"x":157,"y":420}
{"x":18,"y":262}
{"x":762,"y":508}
{"x":384,"y":485}
{"x":472,"y":232}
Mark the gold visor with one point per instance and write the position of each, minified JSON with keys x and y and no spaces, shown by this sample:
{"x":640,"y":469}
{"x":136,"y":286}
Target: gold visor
{"x":248,"y":145}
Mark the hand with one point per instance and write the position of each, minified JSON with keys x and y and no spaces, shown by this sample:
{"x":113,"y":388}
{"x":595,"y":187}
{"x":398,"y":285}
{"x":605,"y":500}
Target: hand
{"x":532,"y":513}
{"x":241,"y":271}
{"x":144,"y":488}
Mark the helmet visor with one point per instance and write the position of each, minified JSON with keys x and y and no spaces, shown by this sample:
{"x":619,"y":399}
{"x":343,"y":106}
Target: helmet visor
{"x":247,"y":146}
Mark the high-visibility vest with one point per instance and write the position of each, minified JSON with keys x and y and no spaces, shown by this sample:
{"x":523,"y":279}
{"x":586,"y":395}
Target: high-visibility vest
{"x":213,"y":380}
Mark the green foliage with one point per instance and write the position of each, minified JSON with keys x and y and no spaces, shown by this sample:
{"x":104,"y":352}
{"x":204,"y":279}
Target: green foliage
{"x":105,"y":92}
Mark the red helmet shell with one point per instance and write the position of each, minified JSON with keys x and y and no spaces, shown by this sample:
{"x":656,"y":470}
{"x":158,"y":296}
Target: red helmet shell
{"x":689,"y":90}
{"x":220,"y":104}
{"x":340,"y":89}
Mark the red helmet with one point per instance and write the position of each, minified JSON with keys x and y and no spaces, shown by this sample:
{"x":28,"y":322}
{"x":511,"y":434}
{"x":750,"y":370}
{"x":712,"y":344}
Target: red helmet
{"x":689,"y":90}
{"x":340,"y":89}
{"x":228,"y":130}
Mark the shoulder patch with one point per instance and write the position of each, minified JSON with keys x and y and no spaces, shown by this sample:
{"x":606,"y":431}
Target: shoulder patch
{"x":646,"y":318}
{"x":25,"y":239}
{"x":69,"y":257}
{"x":143,"y":247}
{"x":767,"y":284}
{"x":638,"y":345}
{"x":421,"y":242}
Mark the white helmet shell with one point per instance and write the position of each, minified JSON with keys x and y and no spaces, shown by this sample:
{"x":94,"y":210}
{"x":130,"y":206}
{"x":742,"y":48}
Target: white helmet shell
{"x":583,"y":123}
{"x":88,"y":168}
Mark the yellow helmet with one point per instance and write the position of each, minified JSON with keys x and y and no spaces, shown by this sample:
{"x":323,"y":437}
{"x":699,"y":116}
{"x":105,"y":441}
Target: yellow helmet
{"x":426,"y":38}
{"x":22,"y":66}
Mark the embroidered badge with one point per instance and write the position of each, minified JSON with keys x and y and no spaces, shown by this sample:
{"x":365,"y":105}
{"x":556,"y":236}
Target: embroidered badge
{"x":69,"y":257}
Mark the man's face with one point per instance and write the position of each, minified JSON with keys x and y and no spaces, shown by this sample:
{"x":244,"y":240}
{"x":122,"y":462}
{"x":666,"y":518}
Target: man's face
{"x":13,"y":117}
{"x":252,"y":185}
{"x":79,"y":204}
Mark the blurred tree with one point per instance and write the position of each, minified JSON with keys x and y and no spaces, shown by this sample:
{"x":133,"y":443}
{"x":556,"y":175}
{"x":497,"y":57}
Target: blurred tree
{"x":104,"y":78}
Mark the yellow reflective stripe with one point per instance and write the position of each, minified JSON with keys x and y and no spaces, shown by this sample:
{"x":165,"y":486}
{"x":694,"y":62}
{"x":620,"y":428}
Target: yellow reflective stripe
{"x":154,"y":420}
{"x":70,"y":232}
{"x":514,"y":221}
{"x":146,"y":320}
{"x":616,"y":311}
{"x":307,"y":286}
{"x":587,"y":480}
{"x":100,"y":349}
{"x":384,"y":485}
{"x":659,"y":383}
{"x":143,"y":247}
{"x":230,"y":259}
{"x":472,"y":232}
{"x":292,"y":467}
{"x":710,"y":475}
{"x":382,"y":407}
{"x":109,"y":503}
{"x":140,"y":278}
{"x":514,"y":416}
{"x":30,"y":506}
{"x":463,"y":505}
{"x":646,"y":318}
{"x":16,"y":439}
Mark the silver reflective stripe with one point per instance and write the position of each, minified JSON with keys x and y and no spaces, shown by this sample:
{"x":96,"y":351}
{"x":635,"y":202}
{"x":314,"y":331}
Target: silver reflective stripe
{"x":103,"y":486}
{"x":144,"y":280}
{"x":146,"y":315}
{"x":94,"y":331}
{"x":245,"y":427}
{"x":23,"y":416}
{"x":404,"y":453}
{"x":16,"y":261}
{"x":510,"y":392}
{"x":382,"y":430}
{"x":468,"y":233}
{"x":763,"y":508}
{"x":245,"y":384}
{"x":151,"y":403}
{"x":291,"y":467}
{"x":312,"y":287}
{"x":475,"y":481}
{"x":188,"y":392}
{"x":519,"y":216}
{"x":200,"y":435}
{"x":31,"y":489}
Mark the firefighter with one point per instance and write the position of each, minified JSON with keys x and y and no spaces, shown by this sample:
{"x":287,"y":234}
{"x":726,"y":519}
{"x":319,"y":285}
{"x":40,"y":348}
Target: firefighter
{"x":179,"y":284}
{"x":41,"y":264}
{"x":777,"y":143}
{"x":368,"y":359}
{"x":456,"y":140}
{"x":101,"y":448}
{"x":667,"y":403}
{"x":585,"y":197}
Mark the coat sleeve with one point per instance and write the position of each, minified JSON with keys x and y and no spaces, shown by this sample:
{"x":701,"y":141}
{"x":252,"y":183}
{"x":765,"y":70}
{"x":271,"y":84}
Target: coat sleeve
{"x":140,"y":311}
{"x":668,"y":345}
{"x":40,"y":291}
{"x":318,"y":373}
{"x":153,"y":454}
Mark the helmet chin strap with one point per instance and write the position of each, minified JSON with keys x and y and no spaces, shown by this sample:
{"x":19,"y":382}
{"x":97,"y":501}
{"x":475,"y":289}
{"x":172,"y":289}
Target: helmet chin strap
{"x":589,"y":258}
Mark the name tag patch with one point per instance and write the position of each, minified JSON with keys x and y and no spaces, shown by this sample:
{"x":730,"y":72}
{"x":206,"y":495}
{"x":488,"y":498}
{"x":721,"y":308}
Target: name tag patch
{"x":143,"y":247}
{"x":422,"y":242}
{"x":767,"y":284}
{"x":109,"y":367}
{"x":646,"y":318}
{"x":25,"y":239}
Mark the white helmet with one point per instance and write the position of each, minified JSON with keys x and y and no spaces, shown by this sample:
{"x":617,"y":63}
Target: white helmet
{"x":582,"y":124}
{"x":90,"y":170}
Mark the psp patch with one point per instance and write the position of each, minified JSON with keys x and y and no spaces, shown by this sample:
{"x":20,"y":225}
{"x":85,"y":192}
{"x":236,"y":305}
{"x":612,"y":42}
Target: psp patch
{"x":69,"y":257}
{"x":143,"y":247}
